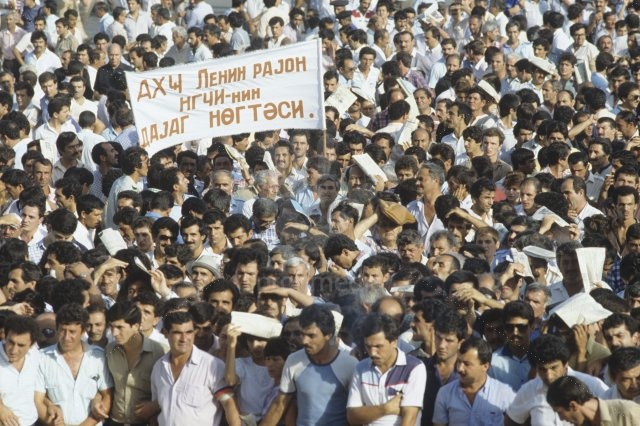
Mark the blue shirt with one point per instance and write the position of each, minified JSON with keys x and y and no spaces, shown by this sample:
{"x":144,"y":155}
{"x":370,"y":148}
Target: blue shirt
{"x":321,"y":398}
{"x":489,"y":405}
{"x":509,"y":369}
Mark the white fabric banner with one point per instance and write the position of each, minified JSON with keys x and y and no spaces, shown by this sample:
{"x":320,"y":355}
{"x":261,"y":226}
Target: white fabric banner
{"x":264,"y":90}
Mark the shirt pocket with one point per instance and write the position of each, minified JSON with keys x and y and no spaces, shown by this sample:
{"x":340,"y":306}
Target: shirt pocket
{"x":196,"y":396}
{"x":55,"y":394}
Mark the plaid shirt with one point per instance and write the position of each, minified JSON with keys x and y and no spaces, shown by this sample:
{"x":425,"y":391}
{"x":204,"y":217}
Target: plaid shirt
{"x":379,"y":121}
{"x":613,"y":279}
{"x":269,"y":236}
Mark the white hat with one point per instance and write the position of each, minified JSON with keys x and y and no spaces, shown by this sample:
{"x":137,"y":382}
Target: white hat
{"x":539,"y":252}
{"x":542,"y":64}
{"x":207,"y":262}
{"x":489,"y":90}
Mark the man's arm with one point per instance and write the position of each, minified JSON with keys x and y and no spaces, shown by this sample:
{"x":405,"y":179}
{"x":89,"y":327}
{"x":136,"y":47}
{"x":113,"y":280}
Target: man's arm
{"x":277,"y":409}
{"x":371,"y":413}
{"x":7,"y":417}
{"x":48,"y":413}
{"x":409,"y":415}
{"x":231,"y":413}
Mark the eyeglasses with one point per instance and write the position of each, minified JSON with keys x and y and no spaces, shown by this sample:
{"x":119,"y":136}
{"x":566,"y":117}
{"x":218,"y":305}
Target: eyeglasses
{"x":510,"y":328}
{"x":164,"y":238}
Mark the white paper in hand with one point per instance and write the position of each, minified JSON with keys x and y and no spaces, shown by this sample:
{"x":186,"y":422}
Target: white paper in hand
{"x":591,"y":263}
{"x":256,"y":325}
{"x":112,"y":241}
{"x":341,"y":99}
{"x":580,"y":308}
{"x":522,"y":259}
{"x":140,"y":265}
{"x":369,"y":167}
{"x":543,"y":212}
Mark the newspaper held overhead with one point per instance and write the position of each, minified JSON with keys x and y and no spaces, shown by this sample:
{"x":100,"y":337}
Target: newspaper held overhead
{"x":369,"y":167}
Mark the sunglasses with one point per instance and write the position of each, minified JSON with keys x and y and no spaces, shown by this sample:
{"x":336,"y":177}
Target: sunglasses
{"x":521,"y":327}
{"x":270,"y":296}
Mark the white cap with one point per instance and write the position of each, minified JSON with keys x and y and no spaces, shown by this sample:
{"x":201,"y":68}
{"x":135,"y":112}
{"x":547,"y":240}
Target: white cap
{"x":539,"y":252}
{"x":543,"y":64}
{"x":489,"y":90}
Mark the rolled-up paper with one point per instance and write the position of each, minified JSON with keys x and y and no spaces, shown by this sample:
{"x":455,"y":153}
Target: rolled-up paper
{"x":112,"y":240}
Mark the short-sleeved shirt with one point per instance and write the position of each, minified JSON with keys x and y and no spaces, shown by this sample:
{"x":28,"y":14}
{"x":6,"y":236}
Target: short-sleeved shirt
{"x":17,"y":387}
{"x":509,"y":369}
{"x":371,"y":387}
{"x":321,"y":390}
{"x":191,"y":399}
{"x":490,"y":403}
{"x":254,"y":386}
{"x":73,"y":396}
{"x":132,"y":386}
{"x":531,"y":400}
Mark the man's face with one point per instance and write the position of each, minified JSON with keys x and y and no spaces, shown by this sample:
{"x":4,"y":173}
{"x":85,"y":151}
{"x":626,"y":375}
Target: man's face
{"x":550,"y":371}
{"x":238,"y":237}
{"x":122,"y":332}
{"x":215,"y":232}
{"x":442,"y":266}
{"x":491,"y":146}
{"x":470,"y":369}
{"x":193,"y":239}
{"x":327,"y":191}
{"x":373,"y":276}
{"x":485,"y":201}
{"x":538,"y":302}
{"x":115,"y":55}
{"x":282,"y":159}
{"x":518,"y":332}
{"x":108,"y":283}
{"x":64,"y":202}
{"x":270,"y":304}
{"x":223,"y":182}
{"x":511,"y":67}
{"x":70,"y":336}
{"x":17,"y":283}
{"x":181,"y":338}
{"x":39,"y":45}
{"x":330,"y":85}
{"x":42,"y":174}
{"x":575,"y":199}
{"x":348,"y":69}
{"x":30,"y":218}
{"x":626,"y":180}
{"x":222,"y":301}
{"x":313,"y":341}
{"x":627,"y":382}
{"x":143,"y":238}
{"x":447,"y":345}
{"x":300,"y":146}
{"x":246,"y":276}
{"x":188,"y":167}
{"x":97,"y":326}
{"x":405,"y":43}
{"x":49,"y":88}
{"x":411,"y":253}
{"x":381,"y":351}
{"x":606,"y":131}
{"x":149,"y":318}
{"x":579,"y":37}
{"x":453,"y":64}
{"x":620,"y":337}
{"x":425,"y":183}
{"x":75,"y":148}
{"x":513,"y":33}
{"x":497,"y":63}
{"x":579,"y":169}
{"x":527,"y":195}
{"x":16,"y":346}
{"x":298,"y":277}
{"x":626,"y":207}
{"x":201,"y":276}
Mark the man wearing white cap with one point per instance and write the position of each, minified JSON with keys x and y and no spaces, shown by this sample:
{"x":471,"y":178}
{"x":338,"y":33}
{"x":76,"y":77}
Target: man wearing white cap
{"x":203,"y":271}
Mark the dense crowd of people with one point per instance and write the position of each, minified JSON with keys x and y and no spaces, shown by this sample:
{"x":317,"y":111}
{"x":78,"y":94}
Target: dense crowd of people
{"x":460,"y":245}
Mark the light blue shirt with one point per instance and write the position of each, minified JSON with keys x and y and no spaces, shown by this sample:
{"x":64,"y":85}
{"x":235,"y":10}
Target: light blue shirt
{"x":509,"y":369}
{"x":490,"y":404}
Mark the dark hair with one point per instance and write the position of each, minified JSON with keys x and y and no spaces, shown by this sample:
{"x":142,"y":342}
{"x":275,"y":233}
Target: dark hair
{"x":72,"y":313}
{"x":548,"y":348}
{"x":19,"y":324}
{"x":480,"y":345}
{"x":517,"y":309}
{"x":568,"y":389}
{"x":320,"y":316}
{"x":336,"y":243}
{"x":451,"y":322}
{"x":622,"y":359}
{"x":375,"y":323}
{"x":176,"y":318}
{"x":124,"y":310}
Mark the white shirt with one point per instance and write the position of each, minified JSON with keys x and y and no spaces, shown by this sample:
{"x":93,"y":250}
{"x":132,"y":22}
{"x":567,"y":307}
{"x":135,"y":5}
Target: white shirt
{"x":87,"y":105}
{"x":138,"y":26}
{"x":531,"y":400}
{"x":189,"y":400}
{"x":202,"y":53}
{"x":48,"y":61}
{"x":195,"y":18}
{"x":17,"y":388}
{"x":89,"y":141}
{"x":73,"y":396}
